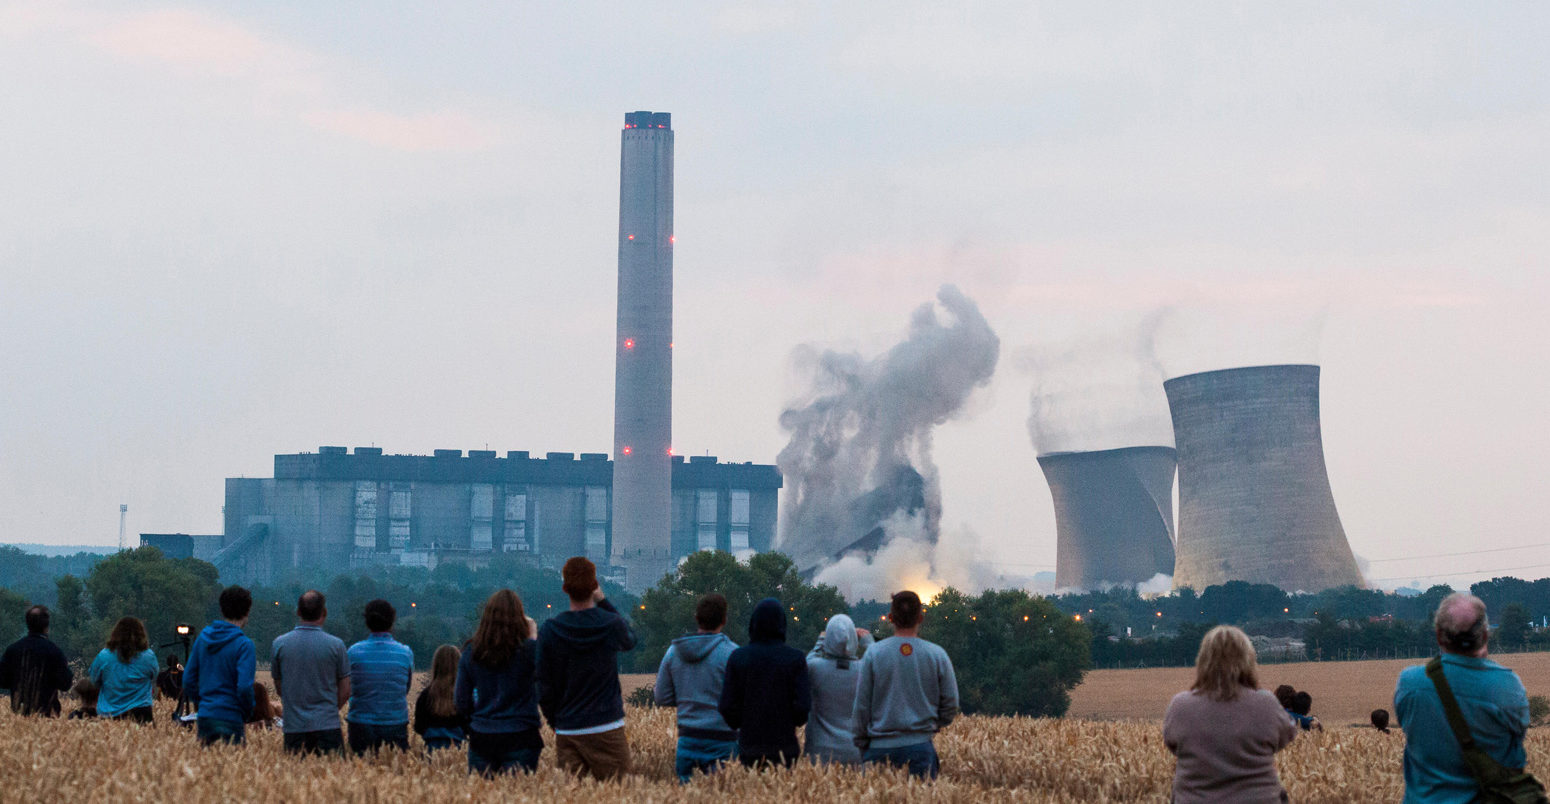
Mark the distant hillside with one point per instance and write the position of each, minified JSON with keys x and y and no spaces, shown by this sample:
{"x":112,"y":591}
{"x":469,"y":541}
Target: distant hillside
{"x":66,"y":549}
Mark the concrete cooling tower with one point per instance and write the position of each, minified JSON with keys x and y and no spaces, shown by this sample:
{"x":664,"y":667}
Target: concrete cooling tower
{"x":1113,"y":515}
{"x":1254,"y":498}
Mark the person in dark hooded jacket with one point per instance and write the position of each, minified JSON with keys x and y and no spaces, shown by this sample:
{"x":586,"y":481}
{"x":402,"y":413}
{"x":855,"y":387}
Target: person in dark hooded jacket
{"x":766,"y":696}
{"x":578,"y":677}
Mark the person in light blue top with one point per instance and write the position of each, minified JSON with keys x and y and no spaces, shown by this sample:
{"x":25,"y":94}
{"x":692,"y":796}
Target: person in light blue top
{"x":691,"y":676}
{"x":125,"y":671}
{"x":381,"y":671}
{"x":1491,"y":697}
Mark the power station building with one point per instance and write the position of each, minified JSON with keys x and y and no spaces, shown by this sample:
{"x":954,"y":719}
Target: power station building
{"x":643,"y":354}
{"x":1113,"y":515}
{"x":1254,"y":497}
{"x":337,"y":509}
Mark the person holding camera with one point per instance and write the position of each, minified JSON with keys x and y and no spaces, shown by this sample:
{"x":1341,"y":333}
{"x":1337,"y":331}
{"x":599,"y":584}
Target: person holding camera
{"x":311,"y":671}
{"x":578,"y":677}
{"x":381,"y":671}
{"x":219,"y":677}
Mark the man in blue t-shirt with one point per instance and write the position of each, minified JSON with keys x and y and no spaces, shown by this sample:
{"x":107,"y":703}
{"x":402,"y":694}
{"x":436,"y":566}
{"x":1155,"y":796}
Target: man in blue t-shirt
{"x":1491,"y":697}
{"x":381,"y":670}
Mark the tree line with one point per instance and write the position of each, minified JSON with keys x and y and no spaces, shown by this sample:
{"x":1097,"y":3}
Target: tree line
{"x":1015,"y":653}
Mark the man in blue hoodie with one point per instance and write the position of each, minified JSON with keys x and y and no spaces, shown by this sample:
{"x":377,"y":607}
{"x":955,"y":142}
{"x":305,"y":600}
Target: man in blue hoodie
{"x":219,"y":676}
{"x":578,"y":677}
{"x":766,"y":696}
{"x":690,"y":678}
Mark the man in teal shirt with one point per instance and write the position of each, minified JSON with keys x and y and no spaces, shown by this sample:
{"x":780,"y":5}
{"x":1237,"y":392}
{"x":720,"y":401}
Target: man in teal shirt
{"x":1492,"y":698}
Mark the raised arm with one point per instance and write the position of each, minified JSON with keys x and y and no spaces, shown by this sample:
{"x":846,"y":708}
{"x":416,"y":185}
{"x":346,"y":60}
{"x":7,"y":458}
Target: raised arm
{"x":624,"y":633}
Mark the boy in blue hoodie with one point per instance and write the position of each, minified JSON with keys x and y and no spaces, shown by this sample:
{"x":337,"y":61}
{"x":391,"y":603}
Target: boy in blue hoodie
{"x":690,"y":678}
{"x":219,"y":676}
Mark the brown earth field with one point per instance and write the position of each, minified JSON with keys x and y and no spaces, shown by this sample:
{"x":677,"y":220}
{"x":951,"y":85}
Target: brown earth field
{"x":1344,"y":693}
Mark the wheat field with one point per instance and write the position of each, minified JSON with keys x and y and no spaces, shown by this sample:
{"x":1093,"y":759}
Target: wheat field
{"x":983,"y":759}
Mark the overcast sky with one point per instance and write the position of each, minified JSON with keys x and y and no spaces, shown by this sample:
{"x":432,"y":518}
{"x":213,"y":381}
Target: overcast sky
{"x":233,"y":229}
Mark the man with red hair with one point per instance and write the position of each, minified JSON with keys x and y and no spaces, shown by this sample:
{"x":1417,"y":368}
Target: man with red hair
{"x":578,"y":677}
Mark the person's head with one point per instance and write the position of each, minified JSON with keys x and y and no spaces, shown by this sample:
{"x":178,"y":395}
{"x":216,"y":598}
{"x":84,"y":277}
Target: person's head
{"x":37,"y":620}
{"x":263,"y":707}
{"x":768,"y":622}
{"x":310,"y":607}
{"x":579,"y":579}
{"x":1303,"y":703}
{"x":380,"y":616}
{"x":443,"y":681}
{"x":1380,"y":719}
{"x":1286,"y":694}
{"x":236,"y":602}
{"x":1225,"y":665}
{"x":444,"y":662}
{"x":906,"y":611}
{"x":1462,"y":626}
{"x":86,"y":692}
{"x":172,"y":661}
{"x":840,"y":640}
{"x":710,"y":613}
{"x":128,"y":639}
{"x":502,"y":630}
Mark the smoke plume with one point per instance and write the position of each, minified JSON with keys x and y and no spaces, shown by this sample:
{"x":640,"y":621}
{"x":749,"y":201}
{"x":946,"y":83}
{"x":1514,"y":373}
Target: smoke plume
{"x":858,"y":468}
{"x":1099,"y":393}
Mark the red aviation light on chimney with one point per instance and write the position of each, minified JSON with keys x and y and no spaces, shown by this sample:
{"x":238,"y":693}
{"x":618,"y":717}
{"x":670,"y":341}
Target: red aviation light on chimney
{"x":672,"y":238}
{"x":669,"y":452}
{"x":629,"y":237}
{"x":629,"y":343}
{"x":626,"y":451}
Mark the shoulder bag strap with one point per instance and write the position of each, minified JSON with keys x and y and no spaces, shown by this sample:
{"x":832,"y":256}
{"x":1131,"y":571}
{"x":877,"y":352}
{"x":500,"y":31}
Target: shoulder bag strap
{"x":1450,"y":704}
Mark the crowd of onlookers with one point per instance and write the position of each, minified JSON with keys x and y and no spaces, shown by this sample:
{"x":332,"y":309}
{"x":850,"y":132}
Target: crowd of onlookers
{"x":862,"y":701}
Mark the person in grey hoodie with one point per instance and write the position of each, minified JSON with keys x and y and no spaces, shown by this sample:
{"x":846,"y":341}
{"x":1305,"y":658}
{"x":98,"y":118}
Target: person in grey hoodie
{"x":690,"y":678}
{"x":908,"y":692}
{"x":834,"y":669}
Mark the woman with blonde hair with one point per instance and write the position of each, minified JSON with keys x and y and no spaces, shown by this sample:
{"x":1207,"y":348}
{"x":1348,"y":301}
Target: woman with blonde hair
{"x":1225,"y":730}
{"x":496,"y":689}
{"x":124,"y":672}
{"x":436,"y":718}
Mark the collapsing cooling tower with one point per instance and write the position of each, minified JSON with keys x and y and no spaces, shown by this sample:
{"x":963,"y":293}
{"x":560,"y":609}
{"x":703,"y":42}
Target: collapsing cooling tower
{"x":1254,"y":497}
{"x":1113,"y":515}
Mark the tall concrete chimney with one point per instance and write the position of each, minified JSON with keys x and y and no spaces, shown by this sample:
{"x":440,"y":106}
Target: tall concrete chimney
{"x":1254,"y":498}
{"x":643,"y":353}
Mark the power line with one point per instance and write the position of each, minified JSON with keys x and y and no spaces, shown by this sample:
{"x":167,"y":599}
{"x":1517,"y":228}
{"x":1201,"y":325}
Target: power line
{"x":1461,"y":572}
{"x":1463,"y":553}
